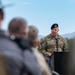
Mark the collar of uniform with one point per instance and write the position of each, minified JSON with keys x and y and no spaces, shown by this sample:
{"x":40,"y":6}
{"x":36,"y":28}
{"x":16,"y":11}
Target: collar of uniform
{"x":50,"y":36}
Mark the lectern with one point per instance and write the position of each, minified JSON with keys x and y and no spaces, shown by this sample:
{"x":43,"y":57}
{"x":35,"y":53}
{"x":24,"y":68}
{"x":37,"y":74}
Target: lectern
{"x":60,"y":62}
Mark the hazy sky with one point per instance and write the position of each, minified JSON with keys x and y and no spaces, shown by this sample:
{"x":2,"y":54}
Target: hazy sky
{"x":43,"y":13}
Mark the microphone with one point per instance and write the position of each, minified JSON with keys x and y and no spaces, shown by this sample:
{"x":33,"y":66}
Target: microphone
{"x":56,"y":38}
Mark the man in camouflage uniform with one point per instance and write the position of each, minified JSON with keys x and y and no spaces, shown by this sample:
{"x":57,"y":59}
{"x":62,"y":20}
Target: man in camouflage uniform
{"x":49,"y":45}
{"x":52,"y":43}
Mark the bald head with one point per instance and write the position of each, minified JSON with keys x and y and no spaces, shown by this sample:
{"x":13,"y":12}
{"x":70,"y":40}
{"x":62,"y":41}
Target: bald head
{"x":18,"y":26}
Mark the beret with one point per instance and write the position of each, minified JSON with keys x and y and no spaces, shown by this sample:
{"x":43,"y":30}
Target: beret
{"x":55,"y":25}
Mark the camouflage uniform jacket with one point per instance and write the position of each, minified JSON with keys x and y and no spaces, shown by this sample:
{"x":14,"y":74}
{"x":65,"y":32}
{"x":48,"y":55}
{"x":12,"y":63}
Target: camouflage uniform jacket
{"x":48,"y":45}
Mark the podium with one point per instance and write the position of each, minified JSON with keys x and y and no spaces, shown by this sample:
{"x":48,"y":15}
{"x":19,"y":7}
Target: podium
{"x":60,"y":62}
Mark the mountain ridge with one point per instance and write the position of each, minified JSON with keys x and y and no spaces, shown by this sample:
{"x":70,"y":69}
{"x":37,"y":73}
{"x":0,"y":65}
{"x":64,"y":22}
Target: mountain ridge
{"x":68,"y":35}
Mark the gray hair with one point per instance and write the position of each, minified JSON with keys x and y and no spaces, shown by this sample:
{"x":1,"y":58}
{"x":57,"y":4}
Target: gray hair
{"x":33,"y":35}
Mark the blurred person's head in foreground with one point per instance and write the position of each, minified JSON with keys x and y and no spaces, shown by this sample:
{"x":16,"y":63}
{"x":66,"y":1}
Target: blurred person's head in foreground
{"x":33,"y":36}
{"x":18,"y":27}
{"x":1,"y":15}
{"x":34,"y":42}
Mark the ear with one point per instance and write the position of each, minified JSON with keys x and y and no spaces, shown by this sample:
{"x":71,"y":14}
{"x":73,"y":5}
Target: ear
{"x":1,"y":16}
{"x":38,"y":42}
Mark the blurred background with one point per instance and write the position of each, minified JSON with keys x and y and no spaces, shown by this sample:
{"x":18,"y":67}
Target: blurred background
{"x":43,"y":13}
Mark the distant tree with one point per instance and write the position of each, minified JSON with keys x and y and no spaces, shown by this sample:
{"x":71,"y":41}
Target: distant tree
{"x":70,"y":43}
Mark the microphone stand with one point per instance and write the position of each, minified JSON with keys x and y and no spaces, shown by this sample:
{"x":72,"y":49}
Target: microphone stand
{"x":56,"y":38}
